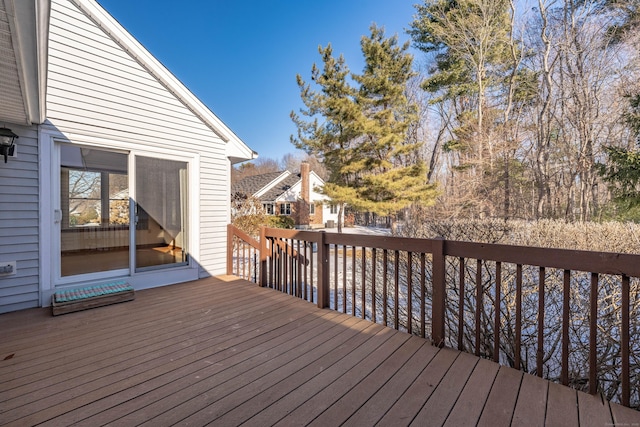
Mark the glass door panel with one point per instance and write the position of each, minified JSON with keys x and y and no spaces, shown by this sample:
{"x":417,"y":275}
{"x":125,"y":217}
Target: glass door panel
{"x":94,"y":211}
{"x":161,"y":213}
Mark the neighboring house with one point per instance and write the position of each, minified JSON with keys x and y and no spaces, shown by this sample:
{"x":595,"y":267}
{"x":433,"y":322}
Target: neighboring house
{"x":119,"y":171}
{"x":295,"y":195}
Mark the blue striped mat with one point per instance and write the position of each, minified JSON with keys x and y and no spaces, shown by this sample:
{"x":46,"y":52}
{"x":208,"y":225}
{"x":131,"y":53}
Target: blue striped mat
{"x":67,"y":295}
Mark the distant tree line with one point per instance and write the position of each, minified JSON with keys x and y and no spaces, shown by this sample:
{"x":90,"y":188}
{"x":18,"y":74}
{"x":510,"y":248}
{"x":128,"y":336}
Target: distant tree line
{"x":514,"y":113}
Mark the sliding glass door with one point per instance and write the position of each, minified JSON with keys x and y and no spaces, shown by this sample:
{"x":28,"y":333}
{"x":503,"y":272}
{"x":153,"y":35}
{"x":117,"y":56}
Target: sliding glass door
{"x":161,"y":213}
{"x":108,"y":230}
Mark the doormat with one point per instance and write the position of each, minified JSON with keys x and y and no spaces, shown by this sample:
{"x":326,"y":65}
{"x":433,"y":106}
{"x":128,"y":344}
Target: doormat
{"x":70,"y":300}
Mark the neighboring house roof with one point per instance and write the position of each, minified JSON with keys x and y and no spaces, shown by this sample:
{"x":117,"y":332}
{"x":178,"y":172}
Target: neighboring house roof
{"x":280,"y":188}
{"x":251,"y":185}
{"x":270,"y":186}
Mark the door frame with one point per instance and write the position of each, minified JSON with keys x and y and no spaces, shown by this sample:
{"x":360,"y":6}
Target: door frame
{"x":49,"y":242}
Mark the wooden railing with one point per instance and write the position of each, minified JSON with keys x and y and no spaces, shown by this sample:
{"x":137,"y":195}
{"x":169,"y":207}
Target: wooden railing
{"x":243,"y":254}
{"x":569,"y":316}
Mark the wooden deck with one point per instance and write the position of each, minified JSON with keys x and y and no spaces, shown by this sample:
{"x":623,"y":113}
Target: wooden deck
{"x":226,"y":352}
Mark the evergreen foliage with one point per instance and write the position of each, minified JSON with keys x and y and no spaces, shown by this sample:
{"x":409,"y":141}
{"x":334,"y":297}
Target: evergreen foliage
{"x":360,"y":129}
{"x":622,"y":171}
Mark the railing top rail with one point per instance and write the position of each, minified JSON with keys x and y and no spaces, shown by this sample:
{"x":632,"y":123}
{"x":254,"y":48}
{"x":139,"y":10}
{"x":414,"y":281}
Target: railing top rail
{"x":309,"y":236}
{"x":381,"y":242}
{"x":244,"y":236}
{"x":566,"y":259}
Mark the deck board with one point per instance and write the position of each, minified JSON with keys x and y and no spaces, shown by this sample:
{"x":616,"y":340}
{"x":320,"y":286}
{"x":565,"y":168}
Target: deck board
{"x":468,"y":407}
{"x":501,"y":402}
{"x":562,"y":407}
{"x":437,"y":409}
{"x":531,"y":406}
{"x":227,"y":352}
{"x":349,"y":403}
{"x":382,"y":401}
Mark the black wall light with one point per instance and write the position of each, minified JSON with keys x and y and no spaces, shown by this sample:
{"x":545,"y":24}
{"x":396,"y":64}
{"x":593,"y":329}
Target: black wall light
{"x":7,"y":146}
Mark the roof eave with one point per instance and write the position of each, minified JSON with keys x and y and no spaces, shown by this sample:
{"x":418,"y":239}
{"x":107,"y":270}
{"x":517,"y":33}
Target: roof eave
{"x":29,"y":27}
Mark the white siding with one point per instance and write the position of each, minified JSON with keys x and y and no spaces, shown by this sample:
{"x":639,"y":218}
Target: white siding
{"x":96,"y":89}
{"x":19,"y":222}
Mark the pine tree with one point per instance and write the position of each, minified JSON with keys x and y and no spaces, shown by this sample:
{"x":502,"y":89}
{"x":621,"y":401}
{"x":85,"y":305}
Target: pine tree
{"x":622,"y":171}
{"x":328,"y":131}
{"x":394,"y":175}
{"x":360,"y":132}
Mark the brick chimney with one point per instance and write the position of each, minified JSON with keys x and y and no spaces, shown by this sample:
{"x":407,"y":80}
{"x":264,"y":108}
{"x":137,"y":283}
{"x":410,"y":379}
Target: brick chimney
{"x":304,"y":194}
{"x":304,"y":176}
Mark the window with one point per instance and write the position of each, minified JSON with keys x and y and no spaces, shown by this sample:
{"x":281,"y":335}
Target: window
{"x":268,"y":208}
{"x":333,"y":209}
{"x":95,"y":188}
{"x":312,"y":209}
{"x":285,"y":209}
{"x":94,"y":210}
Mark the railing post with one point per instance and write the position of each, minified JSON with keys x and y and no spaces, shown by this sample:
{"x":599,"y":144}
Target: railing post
{"x":439,"y":292}
{"x":263,"y":256}
{"x":230,"y":229}
{"x":323,"y":272}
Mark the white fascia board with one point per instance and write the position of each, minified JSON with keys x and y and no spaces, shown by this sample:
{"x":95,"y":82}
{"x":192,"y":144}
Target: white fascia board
{"x":118,"y":33}
{"x":29,"y":26}
{"x":270,"y":185}
{"x":238,"y":153}
{"x":43,"y":17}
{"x":320,"y":180}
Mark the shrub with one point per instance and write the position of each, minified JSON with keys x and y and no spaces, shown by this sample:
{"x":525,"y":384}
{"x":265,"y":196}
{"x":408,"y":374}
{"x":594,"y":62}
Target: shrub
{"x":280,"y":221}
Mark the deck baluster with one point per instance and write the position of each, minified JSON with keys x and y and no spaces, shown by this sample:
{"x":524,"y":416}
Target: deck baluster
{"x":496,"y":325}
{"x":344,"y":278}
{"x":353,"y":281}
{"x":409,"y":292}
{"x":363,"y":290}
{"x":624,"y":336}
{"x":373,"y":285}
{"x":479,"y":292}
{"x":593,"y":335}
{"x":518,"y":343}
{"x":423,"y":302}
{"x":396,"y":284}
{"x":439,"y":293}
{"x":461,"y":304}
{"x":540,"y":351}
{"x":385,"y":280}
{"x":566,"y":284}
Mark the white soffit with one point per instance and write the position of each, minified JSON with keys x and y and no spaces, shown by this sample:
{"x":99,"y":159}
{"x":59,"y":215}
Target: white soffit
{"x":23,"y":60}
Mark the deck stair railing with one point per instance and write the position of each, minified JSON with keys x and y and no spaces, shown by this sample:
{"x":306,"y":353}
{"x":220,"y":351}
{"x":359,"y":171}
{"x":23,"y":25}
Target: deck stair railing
{"x":568,"y":316}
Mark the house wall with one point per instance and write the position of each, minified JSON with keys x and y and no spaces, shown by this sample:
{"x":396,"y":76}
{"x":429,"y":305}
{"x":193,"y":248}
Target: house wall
{"x":317,"y":218}
{"x":293,"y":196}
{"x":19,"y":228}
{"x":98,"y":92}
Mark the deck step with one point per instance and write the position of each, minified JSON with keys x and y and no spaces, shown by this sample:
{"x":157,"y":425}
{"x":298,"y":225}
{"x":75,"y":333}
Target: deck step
{"x":77,"y":299}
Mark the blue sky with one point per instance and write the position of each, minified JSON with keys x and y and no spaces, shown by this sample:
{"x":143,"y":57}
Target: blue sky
{"x":240,"y":57}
